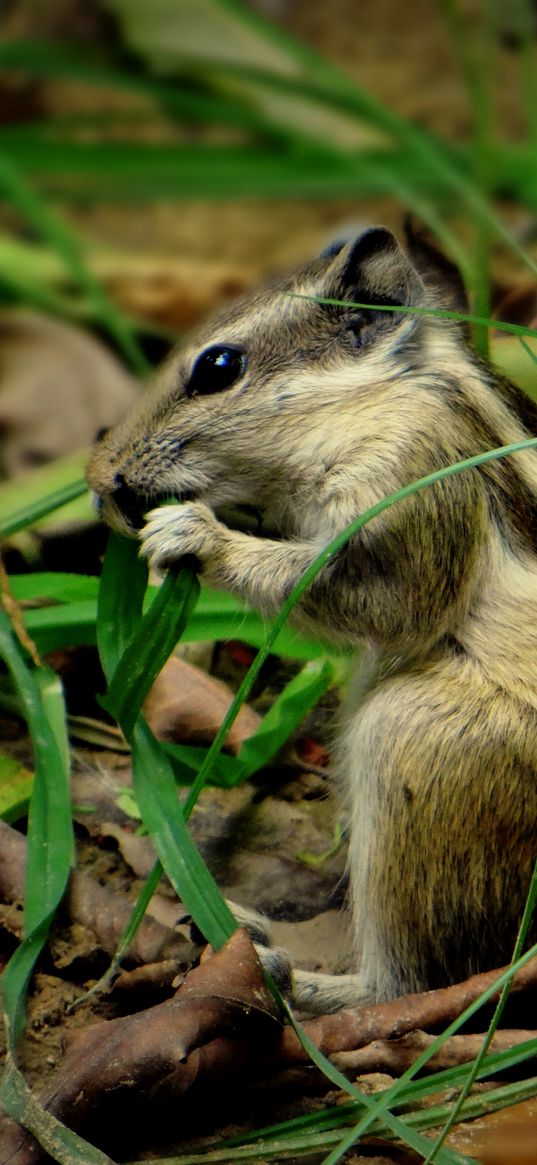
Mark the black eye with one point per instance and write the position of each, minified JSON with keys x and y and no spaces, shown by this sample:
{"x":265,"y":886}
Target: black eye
{"x":217,"y":368}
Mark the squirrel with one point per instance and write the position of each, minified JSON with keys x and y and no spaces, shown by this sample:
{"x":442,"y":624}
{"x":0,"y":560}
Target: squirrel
{"x":314,"y":411}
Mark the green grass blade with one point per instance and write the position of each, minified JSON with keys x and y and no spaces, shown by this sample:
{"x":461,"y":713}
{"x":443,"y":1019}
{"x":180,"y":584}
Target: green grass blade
{"x":302,"y":1143}
{"x":374,"y":1109}
{"x":52,"y":59}
{"x":156,"y":794}
{"x":120,"y":609}
{"x":62,"y":625}
{"x":56,"y":586}
{"x":40,"y":508}
{"x":50,"y":840}
{"x":121,"y":595}
{"x":155,"y":638}
{"x":16,"y":785}
{"x":342,"y":1115}
{"x":60,"y":1143}
{"x":70,"y":624}
{"x":23,"y":196}
{"x":299,"y":696}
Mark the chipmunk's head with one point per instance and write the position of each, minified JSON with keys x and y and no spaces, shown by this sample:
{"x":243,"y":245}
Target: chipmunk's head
{"x":268,"y":383}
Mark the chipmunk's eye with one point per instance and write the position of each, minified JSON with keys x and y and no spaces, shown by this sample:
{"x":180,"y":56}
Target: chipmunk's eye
{"x":217,"y":368}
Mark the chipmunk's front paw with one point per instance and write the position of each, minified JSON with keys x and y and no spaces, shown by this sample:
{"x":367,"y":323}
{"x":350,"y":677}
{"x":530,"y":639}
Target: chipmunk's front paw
{"x":172,"y":532}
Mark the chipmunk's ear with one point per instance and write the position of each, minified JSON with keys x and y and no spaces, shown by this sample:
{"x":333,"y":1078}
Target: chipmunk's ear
{"x":374,"y":269}
{"x":442,"y":279}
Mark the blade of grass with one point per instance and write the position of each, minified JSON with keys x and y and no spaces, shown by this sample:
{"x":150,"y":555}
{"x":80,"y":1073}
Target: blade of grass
{"x":73,"y":623}
{"x":338,"y":87}
{"x":59,"y":1142}
{"x":298,"y":1145}
{"x":437,"y":313}
{"x":158,"y":633}
{"x":121,"y":594}
{"x":50,"y":843}
{"x":58,"y":586}
{"x":339,"y":1115}
{"x":24,"y":198}
{"x":51,"y":59}
{"x":40,"y":508}
{"x":153,"y":776}
{"x":298,"y":697}
{"x":156,"y":794}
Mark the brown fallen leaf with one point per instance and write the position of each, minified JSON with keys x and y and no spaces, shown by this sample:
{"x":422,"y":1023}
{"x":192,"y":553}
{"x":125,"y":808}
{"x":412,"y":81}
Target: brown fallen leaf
{"x":358,"y":1027}
{"x":99,"y":908}
{"x":506,"y":1137}
{"x":188,"y":705}
{"x":216,"y":1022}
{"x":221,"y":1022}
{"x":249,"y":838}
{"x":396,"y":1055}
{"x":58,"y":387}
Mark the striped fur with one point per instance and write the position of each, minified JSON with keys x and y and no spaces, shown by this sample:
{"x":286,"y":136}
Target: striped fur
{"x":337,"y":408}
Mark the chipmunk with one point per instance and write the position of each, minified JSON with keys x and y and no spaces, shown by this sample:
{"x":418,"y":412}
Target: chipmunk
{"x":314,"y":411}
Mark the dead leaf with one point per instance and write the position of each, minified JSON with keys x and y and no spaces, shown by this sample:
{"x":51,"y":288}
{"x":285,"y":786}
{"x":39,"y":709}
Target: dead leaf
{"x":506,"y":1137}
{"x":396,"y":1055}
{"x":358,"y":1027}
{"x":220,"y":1018}
{"x":58,"y":387}
{"x":100,"y":909}
{"x":187,"y":705}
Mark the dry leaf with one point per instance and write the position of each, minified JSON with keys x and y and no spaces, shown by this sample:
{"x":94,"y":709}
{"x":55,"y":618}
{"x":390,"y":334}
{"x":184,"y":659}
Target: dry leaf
{"x":58,"y":387}
{"x":99,"y":908}
{"x":187,"y":705}
{"x":222,"y":1016}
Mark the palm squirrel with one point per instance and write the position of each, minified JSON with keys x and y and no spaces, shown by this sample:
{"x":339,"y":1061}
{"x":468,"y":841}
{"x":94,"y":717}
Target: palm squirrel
{"x":313,"y":412}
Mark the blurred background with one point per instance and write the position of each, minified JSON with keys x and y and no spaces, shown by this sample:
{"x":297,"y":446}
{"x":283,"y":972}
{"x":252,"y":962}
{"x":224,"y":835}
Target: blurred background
{"x":157,"y":158}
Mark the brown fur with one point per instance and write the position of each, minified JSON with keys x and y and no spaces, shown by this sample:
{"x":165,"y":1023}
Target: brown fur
{"x":337,"y":408}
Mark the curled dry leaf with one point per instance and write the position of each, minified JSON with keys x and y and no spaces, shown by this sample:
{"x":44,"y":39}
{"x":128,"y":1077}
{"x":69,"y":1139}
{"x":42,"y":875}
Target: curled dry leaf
{"x":223,"y":1012}
{"x":396,"y":1055}
{"x":356,"y":1028}
{"x":188,"y":705}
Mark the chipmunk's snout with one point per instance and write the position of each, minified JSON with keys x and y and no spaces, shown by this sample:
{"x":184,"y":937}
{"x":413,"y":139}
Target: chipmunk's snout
{"x":130,"y":504}
{"x":125,"y":508}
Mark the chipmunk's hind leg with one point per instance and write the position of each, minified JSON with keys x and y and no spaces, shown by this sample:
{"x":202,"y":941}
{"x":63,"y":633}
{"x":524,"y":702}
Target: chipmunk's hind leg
{"x":442,"y":785}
